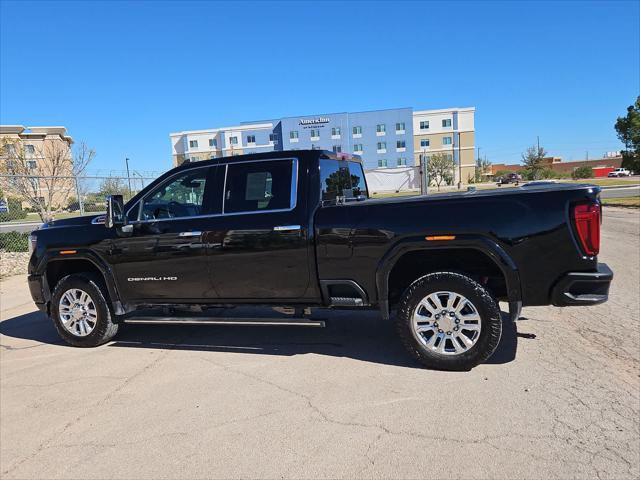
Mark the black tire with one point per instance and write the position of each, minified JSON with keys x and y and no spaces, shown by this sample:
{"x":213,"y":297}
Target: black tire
{"x":487,"y":308}
{"x":104,"y":329}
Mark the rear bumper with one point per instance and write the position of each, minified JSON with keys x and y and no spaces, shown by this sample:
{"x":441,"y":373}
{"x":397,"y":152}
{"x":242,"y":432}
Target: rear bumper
{"x":583,"y":288}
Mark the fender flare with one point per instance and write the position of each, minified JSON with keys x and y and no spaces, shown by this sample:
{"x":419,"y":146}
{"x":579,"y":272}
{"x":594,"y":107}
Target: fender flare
{"x":90,"y":256}
{"x":470,"y":242}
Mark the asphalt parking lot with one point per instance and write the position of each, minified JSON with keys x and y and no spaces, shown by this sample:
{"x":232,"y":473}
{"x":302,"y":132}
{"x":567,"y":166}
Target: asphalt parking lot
{"x":560,"y":398}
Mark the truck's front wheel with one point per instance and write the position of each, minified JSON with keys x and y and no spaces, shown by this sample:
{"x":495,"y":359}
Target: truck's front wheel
{"x":80,"y":312}
{"x":448,"y":321}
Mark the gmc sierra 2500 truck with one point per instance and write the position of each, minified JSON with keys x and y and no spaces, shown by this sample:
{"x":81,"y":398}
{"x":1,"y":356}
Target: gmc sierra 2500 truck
{"x":298,"y":229}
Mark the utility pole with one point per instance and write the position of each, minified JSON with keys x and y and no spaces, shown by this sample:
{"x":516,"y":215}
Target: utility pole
{"x":424,"y":177}
{"x":459,"y":163}
{"x":128,"y":177}
{"x":538,"y":137}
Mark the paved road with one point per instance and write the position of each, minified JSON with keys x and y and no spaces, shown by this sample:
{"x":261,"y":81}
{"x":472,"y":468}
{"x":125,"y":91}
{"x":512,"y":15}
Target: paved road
{"x":19,"y":227}
{"x":560,"y":399}
{"x":619,"y":192}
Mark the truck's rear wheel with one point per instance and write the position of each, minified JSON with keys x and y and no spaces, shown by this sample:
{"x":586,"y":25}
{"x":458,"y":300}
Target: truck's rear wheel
{"x":80,"y":312}
{"x":448,"y":321}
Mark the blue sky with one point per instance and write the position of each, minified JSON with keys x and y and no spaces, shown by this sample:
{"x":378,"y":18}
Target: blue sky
{"x":123,"y":75}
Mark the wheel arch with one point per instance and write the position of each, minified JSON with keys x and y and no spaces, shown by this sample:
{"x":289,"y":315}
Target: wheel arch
{"x":444,"y":255}
{"x":58,"y":266}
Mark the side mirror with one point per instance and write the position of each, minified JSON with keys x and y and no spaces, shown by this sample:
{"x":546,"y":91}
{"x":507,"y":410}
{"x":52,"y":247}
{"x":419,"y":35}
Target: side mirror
{"x":115,"y":211}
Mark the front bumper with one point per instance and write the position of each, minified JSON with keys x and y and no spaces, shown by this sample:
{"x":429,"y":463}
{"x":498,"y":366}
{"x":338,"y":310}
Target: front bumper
{"x":583,"y":288}
{"x":37,"y":289}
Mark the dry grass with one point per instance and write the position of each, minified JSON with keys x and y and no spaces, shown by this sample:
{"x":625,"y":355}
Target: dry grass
{"x":633,"y":202}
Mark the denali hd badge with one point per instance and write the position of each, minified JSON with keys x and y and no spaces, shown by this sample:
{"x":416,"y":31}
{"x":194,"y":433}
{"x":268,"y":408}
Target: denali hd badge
{"x":152,"y":279}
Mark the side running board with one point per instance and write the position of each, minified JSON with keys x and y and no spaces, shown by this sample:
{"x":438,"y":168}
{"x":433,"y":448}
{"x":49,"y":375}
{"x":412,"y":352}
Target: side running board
{"x":249,"y":321}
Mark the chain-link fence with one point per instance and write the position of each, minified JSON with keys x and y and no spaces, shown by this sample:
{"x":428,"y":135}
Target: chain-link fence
{"x":26,"y":201}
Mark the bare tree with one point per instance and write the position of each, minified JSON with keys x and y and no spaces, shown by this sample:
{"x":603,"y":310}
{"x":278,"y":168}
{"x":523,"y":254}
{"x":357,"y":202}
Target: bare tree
{"x":45,"y":176}
{"x":440,"y":167}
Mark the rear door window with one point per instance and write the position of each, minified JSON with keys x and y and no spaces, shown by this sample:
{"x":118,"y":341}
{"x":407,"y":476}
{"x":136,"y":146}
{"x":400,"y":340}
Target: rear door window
{"x":259,"y":186}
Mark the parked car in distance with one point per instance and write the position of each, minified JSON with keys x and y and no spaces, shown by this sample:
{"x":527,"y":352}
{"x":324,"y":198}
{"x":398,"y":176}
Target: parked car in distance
{"x":509,"y":178}
{"x":619,"y":172}
{"x":297,"y":229}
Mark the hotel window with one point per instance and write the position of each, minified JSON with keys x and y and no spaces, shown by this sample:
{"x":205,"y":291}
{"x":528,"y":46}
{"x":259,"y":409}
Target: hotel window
{"x":193,"y":143}
{"x":293,"y":134}
{"x":273,"y":137}
{"x":424,"y":125}
{"x":381,"y":128}
{"x":401,"y":144}
{"x":233,"y":140}
{"x":382,"y":162}
{"x":382,"y":145}
{"x":446,"y":140}
{"x":357,"y":130}
{"x":251,"y":139}
{"x":335,"y":132}
{"x":402,"y":161}
{"x":400,"y":127}
{"x":213,"y":142}
{"x":30,"y":149}
{"x":357,"y":147}
{"x":446,"y":122}
{"x":315,"y":133}
{"x":337,"y":148}
{"x":32,"y":164}
{"x":424,"y":143}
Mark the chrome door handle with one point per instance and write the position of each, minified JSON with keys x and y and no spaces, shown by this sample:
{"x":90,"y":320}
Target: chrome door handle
{"x":284,"y":228}
{"x":195,"y":233}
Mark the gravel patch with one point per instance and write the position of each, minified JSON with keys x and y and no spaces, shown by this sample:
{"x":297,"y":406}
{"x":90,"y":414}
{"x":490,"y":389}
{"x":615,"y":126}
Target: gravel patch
{"x":13,"y":263}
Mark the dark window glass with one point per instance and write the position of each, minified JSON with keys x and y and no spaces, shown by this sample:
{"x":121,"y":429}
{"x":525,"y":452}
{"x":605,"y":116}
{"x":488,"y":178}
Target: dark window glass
{"x":334,"y":178}
{"x":252,"y":187}
{"x":357,"y":179}
{"x":180,"y":197}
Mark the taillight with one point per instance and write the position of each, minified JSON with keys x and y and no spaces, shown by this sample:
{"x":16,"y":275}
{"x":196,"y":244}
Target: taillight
{"x":586,"y":217}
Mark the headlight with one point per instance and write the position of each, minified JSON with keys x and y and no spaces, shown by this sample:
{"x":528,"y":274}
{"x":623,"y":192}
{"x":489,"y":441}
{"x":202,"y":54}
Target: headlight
{"x":33,"y":240}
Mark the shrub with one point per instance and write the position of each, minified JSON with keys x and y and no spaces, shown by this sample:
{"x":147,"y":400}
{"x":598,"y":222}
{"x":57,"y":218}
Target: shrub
{"x":93,"y":207}
{"x":14,"y":241}
{"x":15,"y":211}
{"x":583,"y":172}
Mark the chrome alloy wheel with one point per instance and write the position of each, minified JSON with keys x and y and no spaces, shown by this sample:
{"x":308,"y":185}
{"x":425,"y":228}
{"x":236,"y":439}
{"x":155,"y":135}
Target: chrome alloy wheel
{"x":78,"y":312}
{"x":447,"y":323}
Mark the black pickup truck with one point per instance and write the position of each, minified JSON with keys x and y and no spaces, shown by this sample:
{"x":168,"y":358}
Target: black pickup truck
{"x":298,"y":229}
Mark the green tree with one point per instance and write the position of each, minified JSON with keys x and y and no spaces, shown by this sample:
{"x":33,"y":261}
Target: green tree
{"x":113,"y":186}
{"x":628,"y":129}
{"x":483,"y":168}
{"x":440,"y":169}
{"x":532,"y":159}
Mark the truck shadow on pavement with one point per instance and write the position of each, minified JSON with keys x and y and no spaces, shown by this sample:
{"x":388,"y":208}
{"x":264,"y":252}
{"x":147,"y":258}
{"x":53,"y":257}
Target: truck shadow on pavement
{"x":358,"y":335}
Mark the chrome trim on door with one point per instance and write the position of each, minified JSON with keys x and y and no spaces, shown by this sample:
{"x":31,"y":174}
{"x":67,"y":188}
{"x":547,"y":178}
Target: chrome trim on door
{"x":284,"y":228}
